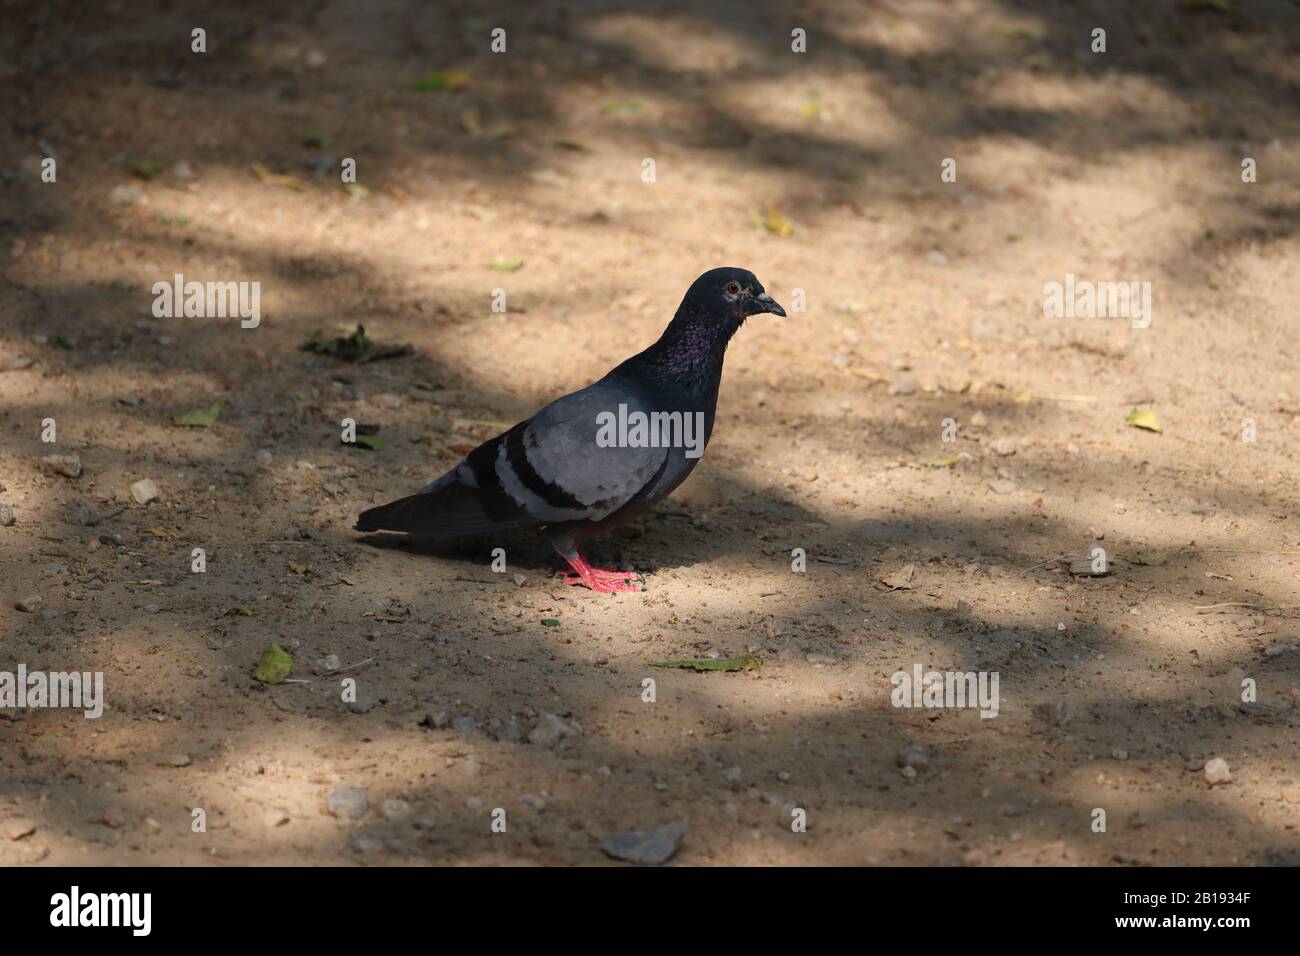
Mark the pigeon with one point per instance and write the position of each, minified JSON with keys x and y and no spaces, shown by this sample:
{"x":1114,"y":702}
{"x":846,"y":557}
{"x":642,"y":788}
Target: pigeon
{"x":594,"y":459}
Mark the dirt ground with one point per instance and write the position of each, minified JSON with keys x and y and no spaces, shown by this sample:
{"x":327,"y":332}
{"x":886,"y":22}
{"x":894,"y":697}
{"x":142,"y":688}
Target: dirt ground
{"x":924,"y":303}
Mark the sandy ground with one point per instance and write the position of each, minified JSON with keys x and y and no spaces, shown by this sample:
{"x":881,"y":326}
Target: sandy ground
{"x":924,"y":303}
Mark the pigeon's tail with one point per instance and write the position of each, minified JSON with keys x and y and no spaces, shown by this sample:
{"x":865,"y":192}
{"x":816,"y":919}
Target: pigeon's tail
{"x":446,"y":509}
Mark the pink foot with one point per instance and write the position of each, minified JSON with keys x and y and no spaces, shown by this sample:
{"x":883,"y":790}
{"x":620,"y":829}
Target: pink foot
{"x":601,"y":580}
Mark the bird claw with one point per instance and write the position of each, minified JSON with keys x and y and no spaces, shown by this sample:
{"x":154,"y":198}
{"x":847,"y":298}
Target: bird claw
{"x":604,"y":580}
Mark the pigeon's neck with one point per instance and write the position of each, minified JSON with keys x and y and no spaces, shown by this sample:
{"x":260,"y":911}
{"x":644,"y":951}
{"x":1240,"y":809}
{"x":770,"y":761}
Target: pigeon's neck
{"x":690,"y":351}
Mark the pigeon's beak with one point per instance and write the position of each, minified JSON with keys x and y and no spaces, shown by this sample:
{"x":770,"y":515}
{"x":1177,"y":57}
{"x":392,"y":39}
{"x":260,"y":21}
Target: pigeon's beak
{"x":764,"y":303}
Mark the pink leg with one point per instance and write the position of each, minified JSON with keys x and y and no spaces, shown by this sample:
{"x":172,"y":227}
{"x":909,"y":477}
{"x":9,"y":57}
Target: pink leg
{"x":601,"y":580}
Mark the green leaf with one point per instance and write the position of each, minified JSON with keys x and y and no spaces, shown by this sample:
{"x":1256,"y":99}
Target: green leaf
{"x":621,"y":106}
{"x":316,"y":139}
{"x":550,"y":622}
{"x":773,"y":222}
{"x":746,"y":663}
{"x":274,"y":665}
{"x":1144,"y":418}
{"x":61,"y":342}
{"x":949,"y":462}
{"x":147,"y":169}
{"x":1151,"y":558}
{"x":439,"y":81}
{"x":200,"y":417}
{"x":373,"y":442}
{"x":509,"y":264}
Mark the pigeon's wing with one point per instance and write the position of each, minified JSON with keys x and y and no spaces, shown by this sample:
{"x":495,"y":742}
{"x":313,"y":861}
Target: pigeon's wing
{"x":550,"y":469}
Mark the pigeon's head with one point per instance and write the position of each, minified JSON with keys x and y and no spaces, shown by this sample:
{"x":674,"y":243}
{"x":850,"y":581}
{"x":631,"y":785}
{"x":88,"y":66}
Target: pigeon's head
{"x":735,"y":293}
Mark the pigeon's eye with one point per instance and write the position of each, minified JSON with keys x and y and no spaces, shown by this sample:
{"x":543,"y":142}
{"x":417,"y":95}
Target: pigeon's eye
{"x":733,"y":288}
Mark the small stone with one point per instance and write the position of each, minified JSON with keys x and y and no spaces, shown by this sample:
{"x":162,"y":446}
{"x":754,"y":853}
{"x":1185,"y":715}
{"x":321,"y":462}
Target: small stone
{"x":819,"y":659}
{"x":915,"y":756}
{"x":67,"y":465}
{"x":1119,"y":753}
{"x":275,"y":818}
{"x":936,"y":257}
{"x":29,"y":604}
{"x":348,"y":803}
{"x":7,"y":518}
{"x":979,"y":420}
{"x":732,"y":776}
{"x":903,"y":385}
{"x":1273,"y":650}
{"x":1216,"y":771}
{"x":550,"y":730}
{"x":435,"y":721}
{"x":328,"y":664}
{"x":108,"y":537}
{"x":395,"y":809}
{"x":1003,"y":446}
{"x":179,"y":760}
{"x":464,"y":724}
{"x":113,"y":818}
{"x":535,"y":802}
{"x":263,"y":458}
{"x":366,"y":701}
{"x":15,"y":828}
{"x":645,"y":846}
{"x":181,"y":170}
{"x":509,"y":732}
{"x":909,"y":772}
{"x":144,"y":491}
{"x":125,"y":196}
{"x":1002,"y":486}
{"x":1056,"y":713}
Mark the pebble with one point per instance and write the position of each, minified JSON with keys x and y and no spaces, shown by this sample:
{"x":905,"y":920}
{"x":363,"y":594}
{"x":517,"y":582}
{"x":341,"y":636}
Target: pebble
{"x":464,"y":724}
{"x":979,"y":420}
{"x":179,"y":760}
{"x":509,"y":733}
{"x":348,"y":803}
{"x":550,"y":730}
{"x":1003,"y":446}
{"x":732,"y":776}
{"x":395,"y":809}
{"x":15,"y":828}
{"x":1274,"y":650}
{"x":7,"y":519}
{"x":903,"y":385}
{"x":915,"y":756}
{"x":1002,"y":486}
{"x":1216,"y":771}
{"x":29,"y":603}
{"x":646,"y":846}
{"x":126,"y":196}
{"x":67,"y":465}
{"x":366,"y":702}
{"x":144,"y":491}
